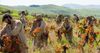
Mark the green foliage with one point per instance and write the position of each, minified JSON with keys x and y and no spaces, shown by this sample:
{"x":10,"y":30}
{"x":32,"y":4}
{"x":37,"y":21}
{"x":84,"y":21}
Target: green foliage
{"x":29,"y":17}
{"x":0,"y":13}
{"x":15,"y":15}
{"x":2,"y":9}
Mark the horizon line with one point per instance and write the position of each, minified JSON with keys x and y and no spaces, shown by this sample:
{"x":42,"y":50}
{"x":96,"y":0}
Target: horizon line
{"x":52,"y":4}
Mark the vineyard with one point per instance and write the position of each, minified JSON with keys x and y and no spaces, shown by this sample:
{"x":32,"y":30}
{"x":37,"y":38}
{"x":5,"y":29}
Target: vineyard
{"x":56,"y":46}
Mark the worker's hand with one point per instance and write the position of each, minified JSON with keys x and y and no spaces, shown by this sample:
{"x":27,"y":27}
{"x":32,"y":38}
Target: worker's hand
{"x":33,"y":34}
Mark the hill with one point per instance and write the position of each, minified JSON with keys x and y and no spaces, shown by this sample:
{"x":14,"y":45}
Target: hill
{"x":46,"y":9}
{"x":50,"y":9}
{"x":85,"y":10}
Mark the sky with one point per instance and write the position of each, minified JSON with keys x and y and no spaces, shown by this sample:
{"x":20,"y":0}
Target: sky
{"x":43,"y":2}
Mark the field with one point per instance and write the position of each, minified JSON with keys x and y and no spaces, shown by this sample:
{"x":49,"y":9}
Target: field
{"x":55,"y":46}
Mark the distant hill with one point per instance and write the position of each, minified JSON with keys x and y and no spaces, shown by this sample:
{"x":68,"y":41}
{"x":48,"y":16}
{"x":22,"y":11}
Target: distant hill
{"x":67,"y":9}
{"x":46,"y":9}
{"x":34,"y":5}
{"x":85,"y":10}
